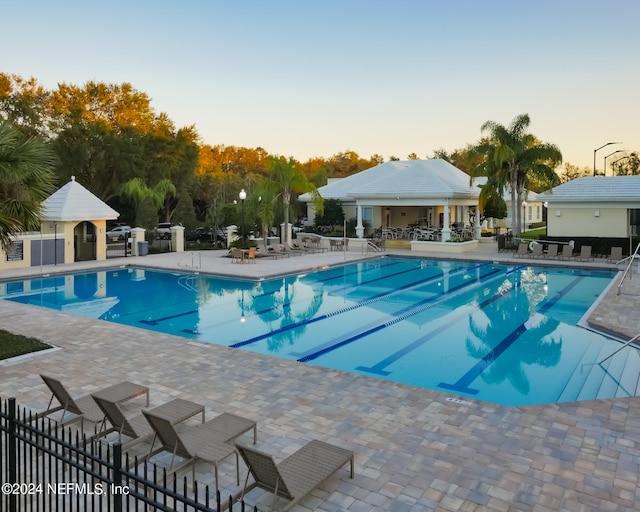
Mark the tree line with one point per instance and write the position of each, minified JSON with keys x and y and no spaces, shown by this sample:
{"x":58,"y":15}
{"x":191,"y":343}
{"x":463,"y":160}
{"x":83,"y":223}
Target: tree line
{"x":136,"y":160}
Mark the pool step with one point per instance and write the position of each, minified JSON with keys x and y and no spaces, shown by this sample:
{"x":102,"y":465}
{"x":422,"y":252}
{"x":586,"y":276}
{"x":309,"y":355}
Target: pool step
{"x":579,"y":376}
{"x":619,"y":376}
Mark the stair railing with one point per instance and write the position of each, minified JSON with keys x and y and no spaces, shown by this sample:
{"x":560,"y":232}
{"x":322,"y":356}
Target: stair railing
{"x":623,"y":346}
{"x":632,"y":258}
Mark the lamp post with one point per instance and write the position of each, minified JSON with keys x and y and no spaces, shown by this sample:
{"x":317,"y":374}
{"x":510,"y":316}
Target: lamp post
{"x":242,"y":195}
{"x":619,"y":160}
{"x":598,"y":149}
{"x":524,"y":216}
{"x":605,"y":158}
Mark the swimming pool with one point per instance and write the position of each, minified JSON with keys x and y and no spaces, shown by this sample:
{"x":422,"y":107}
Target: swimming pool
{"x":502,"y":333}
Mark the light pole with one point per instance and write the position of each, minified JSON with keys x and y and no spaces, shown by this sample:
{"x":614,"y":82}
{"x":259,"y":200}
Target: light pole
{"x":524,"y":216}
{"x":605,"y":158}
{"x":619,"y":160}
{"x":242,"y":195}
{"x":598,"y":149}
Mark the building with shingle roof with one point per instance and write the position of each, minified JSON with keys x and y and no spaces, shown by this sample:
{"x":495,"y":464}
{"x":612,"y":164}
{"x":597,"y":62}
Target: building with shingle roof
{"x":600,"y":206}
{"x":72,"y":228}
{"x":431,"y":193}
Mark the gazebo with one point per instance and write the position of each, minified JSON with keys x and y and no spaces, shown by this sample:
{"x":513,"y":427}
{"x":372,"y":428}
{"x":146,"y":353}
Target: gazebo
{"x":79,"y":218}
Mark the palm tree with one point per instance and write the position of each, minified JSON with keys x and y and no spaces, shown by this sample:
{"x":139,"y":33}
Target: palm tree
{"x":513,"y":157}
{"x":26,"y":179}
{"x":290,"y":179}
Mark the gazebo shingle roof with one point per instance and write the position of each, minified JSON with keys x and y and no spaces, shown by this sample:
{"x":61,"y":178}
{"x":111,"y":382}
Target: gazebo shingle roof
{"x":74,"y":202}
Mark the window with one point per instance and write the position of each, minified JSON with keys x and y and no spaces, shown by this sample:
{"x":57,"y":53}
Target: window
{"x":537,"y":212}
{"x":530,"y":213}
{"x":367,"y":217}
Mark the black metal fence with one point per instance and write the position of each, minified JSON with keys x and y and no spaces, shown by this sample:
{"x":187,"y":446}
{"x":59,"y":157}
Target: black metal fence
{"x":45,"y":467}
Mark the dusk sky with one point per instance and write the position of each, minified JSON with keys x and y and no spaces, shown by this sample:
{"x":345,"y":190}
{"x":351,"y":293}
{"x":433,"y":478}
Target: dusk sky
{"x":309,"y":78}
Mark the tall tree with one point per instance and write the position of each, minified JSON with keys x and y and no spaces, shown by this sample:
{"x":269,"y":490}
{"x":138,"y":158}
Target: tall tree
{"x":26,"y":179}
{"x":290,"y":180}
{"x":514,"y":157}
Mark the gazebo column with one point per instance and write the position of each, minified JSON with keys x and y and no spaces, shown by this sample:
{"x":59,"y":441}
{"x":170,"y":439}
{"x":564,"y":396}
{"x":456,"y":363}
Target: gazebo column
{"x":359,"y":226}
{"x":446,"y":232}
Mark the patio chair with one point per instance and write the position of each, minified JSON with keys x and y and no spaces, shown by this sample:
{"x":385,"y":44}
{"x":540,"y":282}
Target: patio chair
{"x":567,"y":252}
{"x":207,"y":442}
{"x":523,"y":250}
{"x":298,"y":474}
{"x":537,"y":250}
{"x":552,"y":251}
{"x":236,"y":255}
{"x":251,"y":255}
{"x":616,"y":255}
{"x":585,"y":253}
{"x":80,"y":409}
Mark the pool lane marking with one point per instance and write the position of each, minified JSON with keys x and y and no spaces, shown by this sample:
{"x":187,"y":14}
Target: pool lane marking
{"x":463,"y":383}
{"x":351,"y":307}
{"x":408,"y":312}
{"x":378,"y":368}
{"x":156,"y":321}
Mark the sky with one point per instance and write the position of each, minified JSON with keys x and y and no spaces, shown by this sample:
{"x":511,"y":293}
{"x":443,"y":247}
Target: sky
{"x":308,"y":79}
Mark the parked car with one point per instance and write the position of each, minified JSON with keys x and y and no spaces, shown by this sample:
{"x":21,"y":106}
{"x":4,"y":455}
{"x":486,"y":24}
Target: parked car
{"x":164,"y":231}
{"x":200,"y":235}
{"x":118,"y":233}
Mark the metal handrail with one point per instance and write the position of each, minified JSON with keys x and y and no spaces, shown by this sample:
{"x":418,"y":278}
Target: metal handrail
{"x":626,"y":270}
{"x":623,"y":346}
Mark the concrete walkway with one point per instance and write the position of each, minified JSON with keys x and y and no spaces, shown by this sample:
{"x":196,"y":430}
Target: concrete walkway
{"x":415,"y":449}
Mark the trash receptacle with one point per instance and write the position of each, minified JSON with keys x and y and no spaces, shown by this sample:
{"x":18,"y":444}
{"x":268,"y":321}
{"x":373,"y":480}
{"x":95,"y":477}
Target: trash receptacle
{"x":143,"y":248}
{"x":502,"y":242}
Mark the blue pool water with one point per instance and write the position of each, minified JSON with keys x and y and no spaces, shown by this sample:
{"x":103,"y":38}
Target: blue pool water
{"x":502,"y":333}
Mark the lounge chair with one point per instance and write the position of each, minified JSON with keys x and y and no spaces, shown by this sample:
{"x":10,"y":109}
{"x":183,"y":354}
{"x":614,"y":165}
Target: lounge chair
{"x":523,"y":250}
{"x":585,"y":253}
{"x":616,"y":255}
{"x":567,"y":252}
{"x":552,"y":251}
{"x":136,"y":428}
{"x":298,"y":474}
{"x":73,"y":409}
{"x":537,"y":251}
{"x":207,"y":442}
{"x":277,"y":251}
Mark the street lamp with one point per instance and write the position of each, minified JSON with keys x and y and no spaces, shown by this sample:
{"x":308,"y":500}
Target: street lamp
{"x":619,"y":160}
{"x":605,"y":158}
{"x":524,"y":216}
{"x":598,"y":149}
{"x":242,"y":195}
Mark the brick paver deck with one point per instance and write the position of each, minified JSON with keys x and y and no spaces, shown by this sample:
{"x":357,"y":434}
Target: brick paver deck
{"x":414,"y":449}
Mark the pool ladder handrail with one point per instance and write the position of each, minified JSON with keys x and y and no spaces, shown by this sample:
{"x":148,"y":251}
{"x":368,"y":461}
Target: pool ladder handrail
{"x":629,"y":342}
{"x":626,"y":270}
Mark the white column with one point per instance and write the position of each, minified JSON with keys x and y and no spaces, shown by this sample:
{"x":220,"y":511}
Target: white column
{"x":359,"y":226}
{"x":446,"y":232}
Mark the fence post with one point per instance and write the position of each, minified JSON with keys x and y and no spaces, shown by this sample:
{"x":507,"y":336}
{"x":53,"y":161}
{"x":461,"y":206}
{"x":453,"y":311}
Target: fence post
{"x":117,"y":476}
{"x":12,"y":454}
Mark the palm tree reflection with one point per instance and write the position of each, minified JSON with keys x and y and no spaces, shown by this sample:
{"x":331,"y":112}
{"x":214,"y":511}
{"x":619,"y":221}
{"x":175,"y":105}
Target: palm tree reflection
{"x":537,"y":344}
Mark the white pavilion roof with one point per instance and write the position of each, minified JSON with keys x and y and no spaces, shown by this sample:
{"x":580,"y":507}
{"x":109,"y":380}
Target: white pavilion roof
{"x":74,"y":202}
{"x":410,"y":179}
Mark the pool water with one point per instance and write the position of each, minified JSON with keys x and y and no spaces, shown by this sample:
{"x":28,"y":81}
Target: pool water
{"x":501,"y":333}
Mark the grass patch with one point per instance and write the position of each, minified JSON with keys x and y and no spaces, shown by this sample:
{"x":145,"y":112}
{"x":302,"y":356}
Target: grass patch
{"x":12,"y":345}
{"x":534,"y":234}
